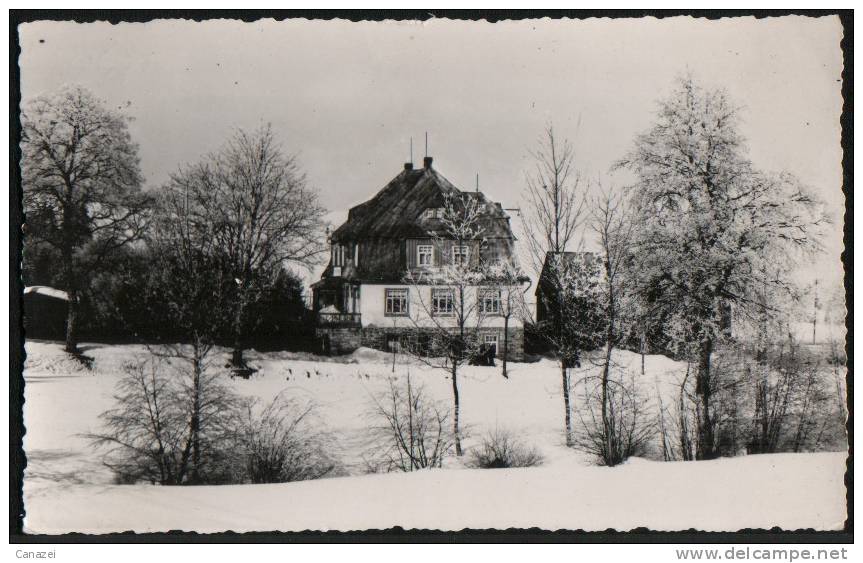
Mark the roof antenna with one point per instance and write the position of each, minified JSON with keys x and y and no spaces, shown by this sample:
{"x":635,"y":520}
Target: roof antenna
{"x":412,"y":151}
{"x":427,"y":143}
{"x":477,"y":182}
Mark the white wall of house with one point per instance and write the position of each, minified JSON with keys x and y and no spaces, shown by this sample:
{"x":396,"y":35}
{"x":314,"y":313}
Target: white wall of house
{"x":373,"y":308}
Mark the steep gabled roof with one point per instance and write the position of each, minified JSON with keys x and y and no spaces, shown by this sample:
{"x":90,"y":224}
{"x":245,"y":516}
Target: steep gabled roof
{"x":564,"y":260}
{"x":396,"y":211}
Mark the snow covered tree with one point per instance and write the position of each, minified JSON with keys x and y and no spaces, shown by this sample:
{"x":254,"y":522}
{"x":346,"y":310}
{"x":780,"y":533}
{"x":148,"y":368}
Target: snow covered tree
{"x":81,"y":184}
{"x":570,"y":287}
{"x":620,"y":430}
{"x":448,"y":322}
{"x":507,"y":279}
{"x":707,"y":223}
{"x":260,"y":213}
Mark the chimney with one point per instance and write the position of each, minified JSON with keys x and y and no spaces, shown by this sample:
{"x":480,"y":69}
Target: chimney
{"x":427,"y":162}
{"x":409,"y":165}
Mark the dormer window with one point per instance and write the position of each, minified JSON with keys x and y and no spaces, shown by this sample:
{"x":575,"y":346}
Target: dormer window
{"x":460,"y":255}
{"x":433,"y":213}
{"x":338,"y":255}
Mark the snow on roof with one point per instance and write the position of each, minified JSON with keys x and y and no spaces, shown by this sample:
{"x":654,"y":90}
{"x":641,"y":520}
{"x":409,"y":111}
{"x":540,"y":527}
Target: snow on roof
{"x":47,"y":291}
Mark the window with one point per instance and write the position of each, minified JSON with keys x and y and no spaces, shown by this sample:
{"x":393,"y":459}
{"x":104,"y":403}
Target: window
{"x":397,"y":302}
{"x":338,"y":255}
{"x":460,"y":255}
{"x":425,"y":255}
{"x":489,"y":301}
{"x":433,"y":213}
{"x":442,"y":302}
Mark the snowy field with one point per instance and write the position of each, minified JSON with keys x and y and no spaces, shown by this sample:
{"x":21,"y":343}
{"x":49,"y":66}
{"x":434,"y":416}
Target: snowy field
{"x":67,"y":489}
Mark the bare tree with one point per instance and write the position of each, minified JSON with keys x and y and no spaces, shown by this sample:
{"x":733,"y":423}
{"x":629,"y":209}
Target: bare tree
{"x":555,"y":205}
{"x":259,"y":211}
{"x":410,"y":429}
{"x":614,"y":425}
{"x":166,"y":429}
{"x":618,"y":434}
{"x":792,"y":406}
{"x":448,"y":322}
{"x":707,"y":223}
{"x":186,"y":289}
{"x":554,"y":211}
{"x":506,"y":278}
{"x":677,"y":438}
{"x":81,"y":184}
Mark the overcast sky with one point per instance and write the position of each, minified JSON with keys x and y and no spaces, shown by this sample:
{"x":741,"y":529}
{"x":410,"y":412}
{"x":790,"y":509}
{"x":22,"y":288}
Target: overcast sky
{"x":347,"y":97}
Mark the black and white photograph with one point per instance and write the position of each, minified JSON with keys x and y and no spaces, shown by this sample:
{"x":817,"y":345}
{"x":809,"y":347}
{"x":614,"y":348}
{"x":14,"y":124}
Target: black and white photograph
{"x":438,"y":273}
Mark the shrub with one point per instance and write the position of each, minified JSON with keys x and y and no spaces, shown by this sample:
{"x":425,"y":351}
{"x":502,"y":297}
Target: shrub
{"x":500,"y":449}
{"x":152,"y":434}
{"x":172,"y":427}
{"x":410,"y":430}
{"x":283,"y":442}
{"x":613,"y":424}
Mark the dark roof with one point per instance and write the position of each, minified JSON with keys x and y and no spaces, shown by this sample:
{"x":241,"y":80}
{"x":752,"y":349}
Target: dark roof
{"x":396,"y":211}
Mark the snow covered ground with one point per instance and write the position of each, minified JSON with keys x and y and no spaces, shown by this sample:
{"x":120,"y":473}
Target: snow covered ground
{"x":67,"y":489}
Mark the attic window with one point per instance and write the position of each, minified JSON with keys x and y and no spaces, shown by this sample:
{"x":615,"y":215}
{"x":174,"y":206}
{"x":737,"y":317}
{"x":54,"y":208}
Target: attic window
{"x":338,"y":255}
{"x":460,"y":255}
{"x":433,"y":213}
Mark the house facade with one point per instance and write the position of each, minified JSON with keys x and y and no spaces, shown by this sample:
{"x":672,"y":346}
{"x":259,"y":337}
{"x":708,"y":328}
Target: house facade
{"x":386,"y":278}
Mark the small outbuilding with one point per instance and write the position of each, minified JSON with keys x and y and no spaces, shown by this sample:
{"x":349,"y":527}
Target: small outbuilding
{"x":44,"y":312}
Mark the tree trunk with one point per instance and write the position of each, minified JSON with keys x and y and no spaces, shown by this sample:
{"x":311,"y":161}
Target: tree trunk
{"x":505,"y":344}
{"x":72,"y":308}
{"x":455,"y":428}
{"x":705,"y":449}
{"x":567,"y":416}
{"x":237,"y":359}
{"x":71,"y":328}
{"x":643,"y":351}
{"x":607,"y":429}
{"x":411,"y":430}
{"x":196,"y":420}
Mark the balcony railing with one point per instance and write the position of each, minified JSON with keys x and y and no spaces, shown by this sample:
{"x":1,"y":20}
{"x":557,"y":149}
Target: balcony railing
{"x":339,"y":319}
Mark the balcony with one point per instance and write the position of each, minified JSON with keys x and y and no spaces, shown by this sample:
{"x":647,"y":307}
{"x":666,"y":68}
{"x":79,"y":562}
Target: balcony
{"x":338,"y":319}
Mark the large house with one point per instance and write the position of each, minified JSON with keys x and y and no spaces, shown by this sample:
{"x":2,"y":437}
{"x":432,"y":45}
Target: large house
{"x":380,"y":283}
